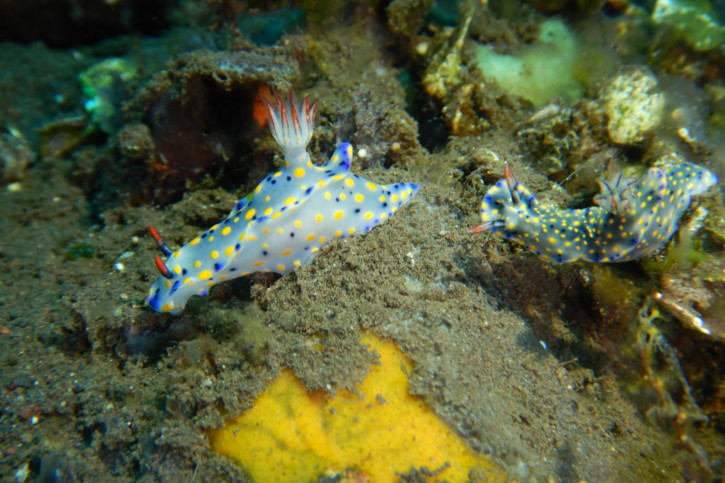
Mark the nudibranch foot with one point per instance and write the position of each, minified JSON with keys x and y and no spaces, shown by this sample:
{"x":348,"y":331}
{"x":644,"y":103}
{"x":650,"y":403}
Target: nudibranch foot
{"x":284,"y":222}
{"x":634,"y":217}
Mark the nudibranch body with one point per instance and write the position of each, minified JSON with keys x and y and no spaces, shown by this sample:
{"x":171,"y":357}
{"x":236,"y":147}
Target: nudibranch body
{"x":286,"y":219}
{"x":634,"y":217}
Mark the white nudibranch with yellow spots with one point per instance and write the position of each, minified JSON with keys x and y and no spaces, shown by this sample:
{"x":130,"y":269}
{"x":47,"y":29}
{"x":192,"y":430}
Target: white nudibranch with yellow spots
{"x":283,"y":223}
{"x":634,"y":217}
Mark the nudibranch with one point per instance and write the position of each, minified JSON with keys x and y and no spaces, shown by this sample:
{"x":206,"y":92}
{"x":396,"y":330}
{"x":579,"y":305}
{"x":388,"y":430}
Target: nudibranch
{"x":634,"y":217}
{"x":286,"y":219}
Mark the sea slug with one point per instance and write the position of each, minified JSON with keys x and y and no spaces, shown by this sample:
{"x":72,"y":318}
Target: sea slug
{"x":286,"y":219}
{"x":634,"y":217}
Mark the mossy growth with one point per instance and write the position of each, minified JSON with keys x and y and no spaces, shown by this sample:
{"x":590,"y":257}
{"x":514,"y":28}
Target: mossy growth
{"x":244,"y":326}
{"x":616,"y":297}
{"x":687,"y":252}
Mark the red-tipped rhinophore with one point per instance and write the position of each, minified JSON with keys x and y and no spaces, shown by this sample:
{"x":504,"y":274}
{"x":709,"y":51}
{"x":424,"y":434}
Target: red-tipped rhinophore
{"x":163,"y":269}
{"x":159,"y":241}
{"x":511,"y":182}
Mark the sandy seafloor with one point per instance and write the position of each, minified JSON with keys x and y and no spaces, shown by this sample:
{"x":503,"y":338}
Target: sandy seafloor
{"x":96,"y":387}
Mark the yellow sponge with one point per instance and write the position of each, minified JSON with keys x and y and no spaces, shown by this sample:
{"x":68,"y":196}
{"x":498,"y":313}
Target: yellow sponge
{"x":291,"y":435}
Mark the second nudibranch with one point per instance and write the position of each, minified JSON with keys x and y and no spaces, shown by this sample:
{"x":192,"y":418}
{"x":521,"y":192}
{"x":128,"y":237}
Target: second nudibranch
{"x":285,"y":221}
{"x":634,"y":217}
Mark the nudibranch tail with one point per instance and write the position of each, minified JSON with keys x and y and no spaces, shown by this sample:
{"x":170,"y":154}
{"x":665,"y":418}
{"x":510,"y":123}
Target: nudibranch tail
{"x":634,"y":217}
{"x":284,"y":222}
{"x":291,"y":124}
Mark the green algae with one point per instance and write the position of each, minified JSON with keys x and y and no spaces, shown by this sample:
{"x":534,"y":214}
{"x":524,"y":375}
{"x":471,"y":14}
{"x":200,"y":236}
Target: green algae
{"x":542,"y":71}
{"x":105,"y":84}
{"x":694,"y":21}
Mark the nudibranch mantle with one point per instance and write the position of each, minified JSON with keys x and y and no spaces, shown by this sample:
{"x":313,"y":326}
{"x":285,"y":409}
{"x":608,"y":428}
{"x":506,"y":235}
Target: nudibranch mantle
{"x":634,"y":217}
{"x":284,"y":222}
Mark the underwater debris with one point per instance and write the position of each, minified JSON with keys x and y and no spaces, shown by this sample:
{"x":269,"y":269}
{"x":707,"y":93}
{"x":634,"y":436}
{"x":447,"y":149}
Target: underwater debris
{"x":634,"y":217}
{"x":662,"y":370}
{"x":380,"y":431}
{"x":696,"y":303}
{"x":445,"y":71}
{"x":285,"y":221}
{"x":689,"y":124}
{"x":633,"y":105}
{"x":62,"y":136}
{"x":664,"y":391}
{"x":684,"y":313}
{"x":15,"y":154}
{"x":447,"y":80}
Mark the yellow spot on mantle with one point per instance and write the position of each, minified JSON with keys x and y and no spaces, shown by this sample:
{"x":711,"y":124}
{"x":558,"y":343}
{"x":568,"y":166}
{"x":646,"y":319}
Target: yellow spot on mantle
{"x":291,"y":435}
